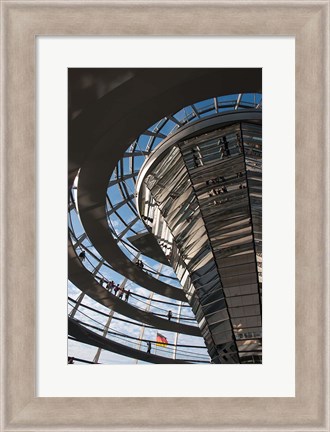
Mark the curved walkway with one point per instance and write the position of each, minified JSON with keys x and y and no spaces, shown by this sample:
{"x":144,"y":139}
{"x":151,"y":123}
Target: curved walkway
{"x":83,"y":280}
{"x":81,"y":334}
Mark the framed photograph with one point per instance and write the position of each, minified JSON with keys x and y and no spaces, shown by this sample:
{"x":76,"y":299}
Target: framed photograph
{"x":226,"y":270}
{"x":161,"y":111}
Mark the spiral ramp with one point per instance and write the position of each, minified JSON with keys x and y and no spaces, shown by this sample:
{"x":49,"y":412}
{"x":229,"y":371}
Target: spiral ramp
{"x":118,"y":121}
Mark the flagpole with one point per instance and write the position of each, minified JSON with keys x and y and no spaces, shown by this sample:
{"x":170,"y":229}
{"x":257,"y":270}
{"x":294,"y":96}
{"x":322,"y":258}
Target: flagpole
{"x":147,"y":309}
{"x":177,"y":334}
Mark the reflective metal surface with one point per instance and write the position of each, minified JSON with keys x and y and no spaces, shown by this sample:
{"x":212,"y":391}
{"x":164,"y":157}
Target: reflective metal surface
{"x":202,"y":201}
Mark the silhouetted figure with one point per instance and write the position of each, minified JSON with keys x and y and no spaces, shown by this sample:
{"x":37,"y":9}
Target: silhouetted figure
{"x":239,"y":142}
{"x":116,"y":289}
{"x":149,"y":347}
{"x":82,"y":255}
{"x":225,"y":143}
{"x":127,"y":294}
{"x":139,"y":263}
{"x":169,"y":315}
{"x":121,"y":292}
{"x":196,"y":162}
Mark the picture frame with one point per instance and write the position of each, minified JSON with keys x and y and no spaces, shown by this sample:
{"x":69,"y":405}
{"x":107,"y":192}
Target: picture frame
{"x":308,"y":22}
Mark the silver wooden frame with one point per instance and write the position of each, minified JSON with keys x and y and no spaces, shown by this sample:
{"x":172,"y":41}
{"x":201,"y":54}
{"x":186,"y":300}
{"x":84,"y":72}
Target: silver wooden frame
{"x":308,"y":22}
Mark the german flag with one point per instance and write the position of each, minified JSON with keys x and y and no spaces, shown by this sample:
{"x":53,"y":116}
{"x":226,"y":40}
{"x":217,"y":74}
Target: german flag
{"x":161,"y":340}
